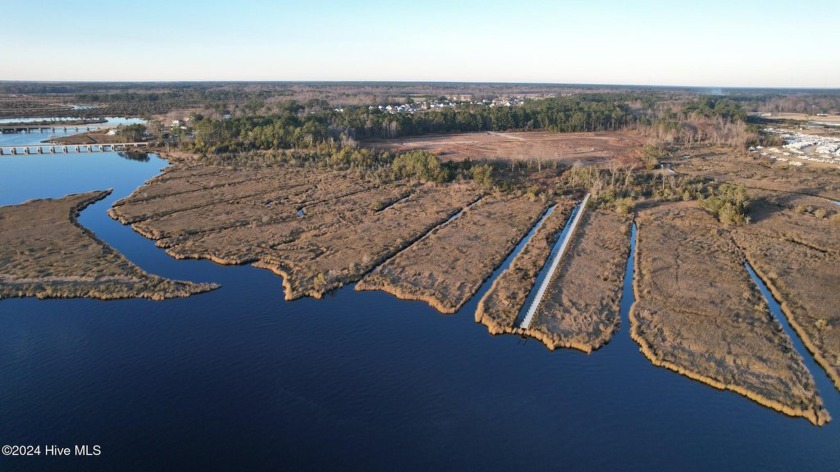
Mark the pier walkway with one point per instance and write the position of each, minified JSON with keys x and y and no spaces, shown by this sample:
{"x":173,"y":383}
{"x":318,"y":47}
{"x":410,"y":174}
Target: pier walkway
{"x":555,"y":263}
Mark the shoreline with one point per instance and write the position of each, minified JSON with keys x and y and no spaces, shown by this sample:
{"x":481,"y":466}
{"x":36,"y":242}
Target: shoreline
{"x":797,"y":328}
{"x":818,"y":415}
{"x":86,"y":285}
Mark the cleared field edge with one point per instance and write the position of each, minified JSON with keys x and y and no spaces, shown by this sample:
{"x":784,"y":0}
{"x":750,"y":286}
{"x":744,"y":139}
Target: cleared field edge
{"x":432,"y":300}
{"x":824,"y":363}
{"x":818,"y":418}
{"x":188,"y":288}
{"x":536,"y":244}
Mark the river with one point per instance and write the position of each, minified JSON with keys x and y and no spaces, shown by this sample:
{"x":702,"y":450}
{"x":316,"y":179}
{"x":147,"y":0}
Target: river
{"x":239,"y":379}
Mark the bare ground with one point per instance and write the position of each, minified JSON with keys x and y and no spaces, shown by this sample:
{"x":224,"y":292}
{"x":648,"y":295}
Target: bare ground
{"x":44,"y":253}
{"x":448,"y":267}
{"x":540,"y":145}
{"x":698,"y":313}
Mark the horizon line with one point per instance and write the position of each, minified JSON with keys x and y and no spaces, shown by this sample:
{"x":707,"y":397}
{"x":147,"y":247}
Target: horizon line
{"x":316,"y":81}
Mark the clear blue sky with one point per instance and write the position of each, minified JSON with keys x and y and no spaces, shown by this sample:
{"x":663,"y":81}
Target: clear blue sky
{"x":703,"y":43}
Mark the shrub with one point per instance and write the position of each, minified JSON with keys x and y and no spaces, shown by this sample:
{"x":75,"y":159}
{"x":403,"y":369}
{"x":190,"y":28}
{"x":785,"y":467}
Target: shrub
{"x":420,"y":165}
{"x":729,"y":203}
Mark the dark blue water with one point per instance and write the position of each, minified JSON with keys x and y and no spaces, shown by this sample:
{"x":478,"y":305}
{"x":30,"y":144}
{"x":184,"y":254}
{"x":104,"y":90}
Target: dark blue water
{"x":239,"y":379}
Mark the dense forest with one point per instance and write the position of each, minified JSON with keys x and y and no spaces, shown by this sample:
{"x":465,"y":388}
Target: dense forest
{"x":566,"y":114}
{"x":299,"y":126}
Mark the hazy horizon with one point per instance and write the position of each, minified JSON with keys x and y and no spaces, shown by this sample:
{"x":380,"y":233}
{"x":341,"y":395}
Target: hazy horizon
{"x":750,"y":44}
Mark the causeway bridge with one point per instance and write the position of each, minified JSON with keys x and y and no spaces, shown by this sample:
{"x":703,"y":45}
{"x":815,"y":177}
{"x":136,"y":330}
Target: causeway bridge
{"x":24,"y":128}
{"x":68,"y":148}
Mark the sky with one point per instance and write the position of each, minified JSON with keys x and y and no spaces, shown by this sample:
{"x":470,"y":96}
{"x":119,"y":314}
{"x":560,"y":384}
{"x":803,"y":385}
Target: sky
{"x":713,"y":43}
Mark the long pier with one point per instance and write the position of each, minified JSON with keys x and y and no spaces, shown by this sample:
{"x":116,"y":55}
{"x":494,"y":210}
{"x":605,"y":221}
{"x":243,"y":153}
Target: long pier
{"x":67,"y":148}
{"x":22,"y":128}
{"x":555,"y":263}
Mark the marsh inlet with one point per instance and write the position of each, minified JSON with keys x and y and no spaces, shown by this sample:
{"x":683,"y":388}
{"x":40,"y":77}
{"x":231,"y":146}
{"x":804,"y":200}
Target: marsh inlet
{"x":628,"y":296}
{"x":824,"y":384}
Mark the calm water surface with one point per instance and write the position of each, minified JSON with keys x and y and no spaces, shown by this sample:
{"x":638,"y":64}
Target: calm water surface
{"x":239,"y":379}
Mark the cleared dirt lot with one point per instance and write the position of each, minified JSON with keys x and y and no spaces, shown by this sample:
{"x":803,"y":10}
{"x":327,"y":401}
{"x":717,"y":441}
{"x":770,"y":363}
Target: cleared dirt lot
{"x":44,"y":253}
{"x":698,"y":313}
{"x":588,"y":148}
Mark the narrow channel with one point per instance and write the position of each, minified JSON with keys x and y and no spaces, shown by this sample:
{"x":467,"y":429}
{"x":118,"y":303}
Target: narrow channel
{"x":628,"y":295}
{"x":526,"y":314}
{"x":425,"y":235}
{"x":395,"y":202}
{"x":824,"y":384}
{"x":510,"y":257}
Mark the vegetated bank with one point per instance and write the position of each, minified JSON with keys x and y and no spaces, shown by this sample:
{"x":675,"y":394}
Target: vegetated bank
{"x":446,"y":268}
{"x":239,"y":214}
{"x":793,"y":245}
{"x":581,"y":307}
{"x":500,"y":306}
{"x":698,"y":313}
{"x":45,"y":253}
{"x":293,"y":193}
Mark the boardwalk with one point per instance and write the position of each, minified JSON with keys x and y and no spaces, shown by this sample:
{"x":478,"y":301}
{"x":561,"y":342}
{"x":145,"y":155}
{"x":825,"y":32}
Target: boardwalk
{"x":67,"y":148}
{"x":555,"y":263}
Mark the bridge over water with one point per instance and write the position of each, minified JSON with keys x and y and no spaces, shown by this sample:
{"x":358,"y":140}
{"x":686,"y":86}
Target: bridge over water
{"x":67,"y":148}
{"x":24,"y":128}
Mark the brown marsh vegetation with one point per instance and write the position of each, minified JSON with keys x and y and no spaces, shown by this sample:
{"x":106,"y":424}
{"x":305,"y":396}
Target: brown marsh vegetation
{"x":794,"y":246}
{"x":44,"y":253}
{"x":581,"y":307}
{"x":318,"y":228}
{"x":698,"y":313}
{"x":446,"y":268}
{"x":501,"y":304}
